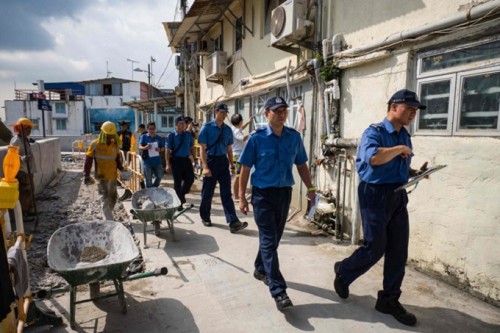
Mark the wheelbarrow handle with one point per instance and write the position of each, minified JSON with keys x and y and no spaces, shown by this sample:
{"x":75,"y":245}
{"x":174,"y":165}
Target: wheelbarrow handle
{"x":156,"y":272}
{"x":134,"y":213}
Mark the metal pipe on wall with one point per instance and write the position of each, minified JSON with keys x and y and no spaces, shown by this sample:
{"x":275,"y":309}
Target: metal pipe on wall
{"x":342,"y":226}
{"x":474,"y":13}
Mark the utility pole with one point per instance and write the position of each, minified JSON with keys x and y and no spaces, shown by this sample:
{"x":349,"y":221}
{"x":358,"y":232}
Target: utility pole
{"x":132,"y":63}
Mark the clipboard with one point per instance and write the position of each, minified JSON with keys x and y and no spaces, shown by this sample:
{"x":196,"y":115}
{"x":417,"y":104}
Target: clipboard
{"x":416,"y":179}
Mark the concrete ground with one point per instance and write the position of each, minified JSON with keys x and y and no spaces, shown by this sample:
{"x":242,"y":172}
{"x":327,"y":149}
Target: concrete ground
{"x":210,"y":288}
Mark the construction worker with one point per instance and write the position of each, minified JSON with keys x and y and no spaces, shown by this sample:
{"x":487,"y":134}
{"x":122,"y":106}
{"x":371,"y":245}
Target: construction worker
{"x":22,"y":128}
{"x":127,"y":139}
{"x":106,"y":154}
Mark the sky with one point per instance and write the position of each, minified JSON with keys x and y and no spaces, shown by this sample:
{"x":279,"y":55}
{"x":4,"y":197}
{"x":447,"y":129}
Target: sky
{"x":77,"y":40}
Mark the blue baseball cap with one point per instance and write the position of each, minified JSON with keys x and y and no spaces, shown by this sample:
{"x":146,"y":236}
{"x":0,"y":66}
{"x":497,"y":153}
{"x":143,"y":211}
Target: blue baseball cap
{"x":275,"y":102}
{"x":179,"y":118}
{"x":408,"y":97}
{"x":222,"y":107}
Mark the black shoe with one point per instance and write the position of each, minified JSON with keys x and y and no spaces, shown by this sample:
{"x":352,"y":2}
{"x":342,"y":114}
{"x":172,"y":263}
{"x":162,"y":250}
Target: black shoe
{"x":341,"y":288}
{"x":283,"y":301}
{"x":237,"y":226}
{"x":180,"y":208}
{"x":206,"y":223}
{"x":126,"y":195}
{"x":261,"y":276}
{"x":393,"y":307}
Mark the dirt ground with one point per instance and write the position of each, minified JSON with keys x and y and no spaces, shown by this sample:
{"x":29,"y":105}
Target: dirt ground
{"x":65,"y":201}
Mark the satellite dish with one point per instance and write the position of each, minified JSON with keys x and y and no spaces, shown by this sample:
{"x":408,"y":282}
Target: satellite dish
{"x":278,"y":21}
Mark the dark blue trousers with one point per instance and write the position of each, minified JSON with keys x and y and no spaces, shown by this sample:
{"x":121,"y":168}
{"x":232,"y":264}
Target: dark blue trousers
{"x":219,"y":166}
{"x":183,"y":174}
{"x":270,"y":209}
{"x":386,"y":232}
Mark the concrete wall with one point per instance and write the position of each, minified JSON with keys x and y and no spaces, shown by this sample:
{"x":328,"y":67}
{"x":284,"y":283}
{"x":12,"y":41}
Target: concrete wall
{"x":255,"y":57}
{"x":366,"y":21}
{"x":454,"y":217}
{"x":47,"y":155}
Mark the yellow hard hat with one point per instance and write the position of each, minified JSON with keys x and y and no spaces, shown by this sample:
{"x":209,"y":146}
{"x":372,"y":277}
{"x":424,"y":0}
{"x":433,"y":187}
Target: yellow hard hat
{"x":108,"y":128}
{"x":25,"y":122}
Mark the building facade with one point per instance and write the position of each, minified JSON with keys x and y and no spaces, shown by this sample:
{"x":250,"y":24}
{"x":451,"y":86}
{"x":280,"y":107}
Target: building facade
{"x":337,"y":63}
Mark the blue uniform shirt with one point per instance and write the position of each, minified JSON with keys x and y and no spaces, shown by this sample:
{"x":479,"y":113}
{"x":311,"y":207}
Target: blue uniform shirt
{"x":180,"y":144}
{"x":383,"y":135}
{"x":209,"y":135}
{"x":145,"y":140}
{"x":272,"y":157}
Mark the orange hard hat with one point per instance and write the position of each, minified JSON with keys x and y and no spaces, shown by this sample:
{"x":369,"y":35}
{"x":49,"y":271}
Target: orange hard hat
{"x":25,"y":122}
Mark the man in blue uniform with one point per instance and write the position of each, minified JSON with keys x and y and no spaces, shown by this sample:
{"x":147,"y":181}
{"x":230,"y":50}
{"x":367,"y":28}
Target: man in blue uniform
{"x":179,"y":147}
{"x":216,"y":140}
{"x":151,"y":146}
{"x":272,"y":151}
{"x":383,"y":164}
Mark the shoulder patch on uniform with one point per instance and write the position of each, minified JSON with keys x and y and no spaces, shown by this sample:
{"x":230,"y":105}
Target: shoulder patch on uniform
{"x":378,"y":126}
{"x":291,"y":129}
{"x":260,"y":129}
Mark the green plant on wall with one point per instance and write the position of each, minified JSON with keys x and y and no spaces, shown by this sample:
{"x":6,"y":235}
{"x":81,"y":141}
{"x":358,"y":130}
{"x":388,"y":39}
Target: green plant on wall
{"x":329,"y":71}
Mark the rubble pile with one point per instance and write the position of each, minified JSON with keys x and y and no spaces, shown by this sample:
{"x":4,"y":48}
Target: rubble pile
{"x":145,"y":202}
{"x":66,"y":200}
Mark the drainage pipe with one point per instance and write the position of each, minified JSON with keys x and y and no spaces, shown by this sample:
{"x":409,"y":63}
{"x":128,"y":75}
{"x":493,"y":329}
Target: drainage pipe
{"x":473,"y":13}
{"x":326,"y":97}
{"x":341,"y":142}
{"x":343,"y":195}
{"x":338,"y":225}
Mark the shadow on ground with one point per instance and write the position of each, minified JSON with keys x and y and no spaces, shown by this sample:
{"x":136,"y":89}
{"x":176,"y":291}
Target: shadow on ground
{"x":361,"y":308}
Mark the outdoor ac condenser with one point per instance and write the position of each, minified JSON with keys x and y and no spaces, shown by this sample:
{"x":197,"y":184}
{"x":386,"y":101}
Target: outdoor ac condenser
{"x":289,"y":22}
{"x":216,"y":65}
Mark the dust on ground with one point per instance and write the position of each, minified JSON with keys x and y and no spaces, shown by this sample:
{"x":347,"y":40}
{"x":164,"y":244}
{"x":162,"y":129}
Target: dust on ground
{"x":64,"y":201}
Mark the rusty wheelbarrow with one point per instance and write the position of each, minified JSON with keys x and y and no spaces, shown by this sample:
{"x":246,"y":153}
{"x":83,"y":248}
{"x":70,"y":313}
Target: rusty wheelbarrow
{"x":164,"y":204}
{"x":117,"y":250}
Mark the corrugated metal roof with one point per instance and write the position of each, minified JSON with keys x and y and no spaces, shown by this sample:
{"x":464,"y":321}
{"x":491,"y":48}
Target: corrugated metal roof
{"x":201,"y":17}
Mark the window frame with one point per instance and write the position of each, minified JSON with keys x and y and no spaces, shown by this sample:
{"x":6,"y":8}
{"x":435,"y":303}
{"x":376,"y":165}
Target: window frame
{"x":451,"y":105}
{"x":460,"y":80}
{"x":456,"y":75}
{"x":62,"y":121}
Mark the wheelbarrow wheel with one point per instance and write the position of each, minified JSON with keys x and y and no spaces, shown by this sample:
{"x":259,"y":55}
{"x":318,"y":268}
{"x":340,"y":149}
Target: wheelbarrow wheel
{"x":157,"y":227}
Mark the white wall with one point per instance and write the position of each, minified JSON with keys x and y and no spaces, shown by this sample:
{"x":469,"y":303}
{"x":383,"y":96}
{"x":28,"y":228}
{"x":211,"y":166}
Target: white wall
{"x":454,"y":216}
{"x":47,"y":154}
{"x":29,"y":109}
{"x":367,"y":21}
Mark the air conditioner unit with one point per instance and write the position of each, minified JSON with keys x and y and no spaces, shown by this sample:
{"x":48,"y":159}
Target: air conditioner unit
{"x":289,"y":22}
{"x":216,"y":65}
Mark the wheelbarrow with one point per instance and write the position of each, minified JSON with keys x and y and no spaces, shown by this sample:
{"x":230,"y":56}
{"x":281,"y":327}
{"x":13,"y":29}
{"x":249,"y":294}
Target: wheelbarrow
{"x":165,"y":206}
{"x":64,"y":255}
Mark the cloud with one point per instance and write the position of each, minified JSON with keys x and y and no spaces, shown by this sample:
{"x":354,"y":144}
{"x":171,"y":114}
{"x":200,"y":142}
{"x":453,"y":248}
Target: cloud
{"x":79,"y":41}
{"x":21,"y":22}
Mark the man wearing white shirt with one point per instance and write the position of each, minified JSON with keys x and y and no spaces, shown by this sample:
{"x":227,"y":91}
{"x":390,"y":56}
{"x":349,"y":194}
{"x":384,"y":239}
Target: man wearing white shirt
{"x":239,"y":140}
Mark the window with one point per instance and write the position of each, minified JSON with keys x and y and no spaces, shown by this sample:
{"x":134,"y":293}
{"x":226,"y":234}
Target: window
{"x":61,"y":124}
{"x":258,"y":103}
{"x":36,"y":122}
{"x":239,"y":34}
{"x":461,"y":88}
{"x":60,"y":108}
{"x":218,"y":45}
{"x":168,"y":121}
{"x":239,"y":106}
{"x":107,"y":89}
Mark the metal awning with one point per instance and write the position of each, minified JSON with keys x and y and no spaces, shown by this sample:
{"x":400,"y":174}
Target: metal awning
{"x":202,"y":16}
{"x":148,"y":105}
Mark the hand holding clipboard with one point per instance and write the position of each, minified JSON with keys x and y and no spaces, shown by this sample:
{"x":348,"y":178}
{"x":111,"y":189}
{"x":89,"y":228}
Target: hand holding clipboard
{"x":424,"y":174}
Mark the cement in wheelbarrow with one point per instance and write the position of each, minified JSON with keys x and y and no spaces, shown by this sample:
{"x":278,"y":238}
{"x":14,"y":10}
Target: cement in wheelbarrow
{"x":66,"y":245}
{"x":167,"y":201}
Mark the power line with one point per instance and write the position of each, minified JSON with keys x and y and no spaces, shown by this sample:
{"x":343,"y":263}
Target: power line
{"x":164,"y":70}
